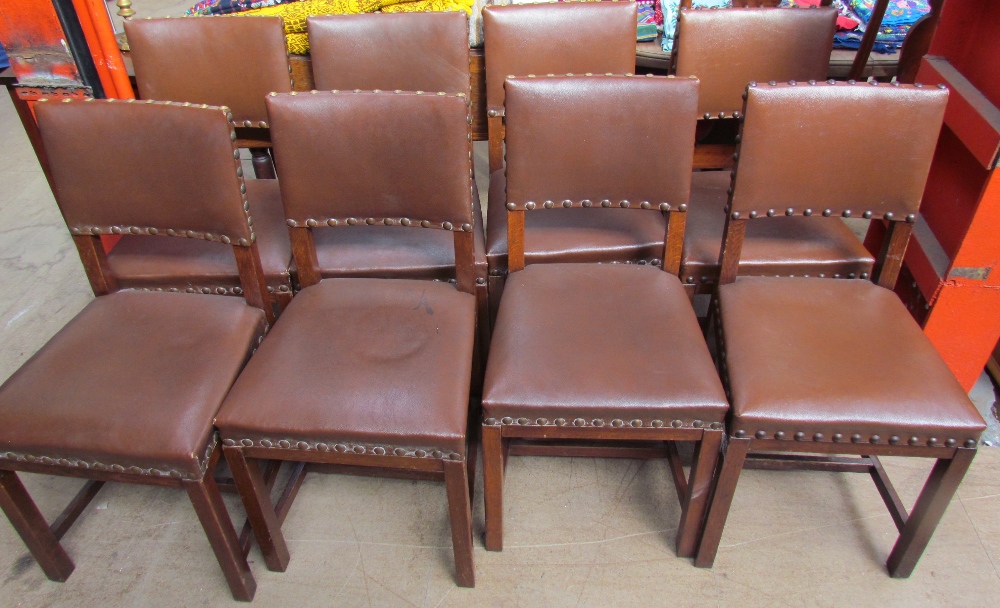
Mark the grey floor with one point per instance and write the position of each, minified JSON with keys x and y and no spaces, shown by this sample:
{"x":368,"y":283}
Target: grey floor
{"x":578,"y":531}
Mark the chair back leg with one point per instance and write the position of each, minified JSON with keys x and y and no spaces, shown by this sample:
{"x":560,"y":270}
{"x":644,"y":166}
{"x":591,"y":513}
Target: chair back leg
{"x":456,"y":480}
{"x":33,"y":529}
{"x":493,"y":471}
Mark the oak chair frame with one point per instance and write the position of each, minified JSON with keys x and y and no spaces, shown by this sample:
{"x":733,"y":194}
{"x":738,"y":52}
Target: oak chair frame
{"x":765,"y":452}
{"x":501,"y":440}
{"x":254,"y":482}
{"x":42,"y":538}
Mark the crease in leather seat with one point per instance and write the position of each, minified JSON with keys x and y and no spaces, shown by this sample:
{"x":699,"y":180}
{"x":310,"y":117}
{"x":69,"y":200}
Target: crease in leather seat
{"x":788,"y":246}
{"x":128,"y":390}
{"x":726,"y":49}
{"x":822,"y":366}
{"x":389,"y":52}
{"x":225,"y":62}
{"x":558,"y":38}
{"x":365,"y":372}
{"x":600,"y":352}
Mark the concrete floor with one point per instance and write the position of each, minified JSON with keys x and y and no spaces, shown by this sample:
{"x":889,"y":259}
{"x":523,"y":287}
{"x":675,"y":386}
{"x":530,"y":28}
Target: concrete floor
{"x":578,"y":531}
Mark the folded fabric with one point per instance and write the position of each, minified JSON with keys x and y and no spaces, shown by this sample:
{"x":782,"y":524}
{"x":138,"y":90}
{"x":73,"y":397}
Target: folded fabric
{"x":852,"y":41}
{"x":4,"y":64}
{"x":899,"y":12}
{"x":225,"y":7}
{"x":649,"y":20}
{"x":846,"y":19}
{"x":671,"y":8}
{"x":295,"y":14}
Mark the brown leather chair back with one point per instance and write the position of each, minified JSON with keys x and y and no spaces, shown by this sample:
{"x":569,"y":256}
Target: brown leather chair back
{"x":802,"y":153}
{"x":557,"y":38}
{"x":149,"y":168}
{"x":224,"y":61}
{"x":400,"y":51}
{"x":728,"y":48}
{"x":798,"y":156}
{"x":601,"y":142}
{"x":395,"y":159}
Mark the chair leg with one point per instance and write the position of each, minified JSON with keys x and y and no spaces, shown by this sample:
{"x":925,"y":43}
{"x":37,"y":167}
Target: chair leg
{"x":699,"y":487}
{"x":725,"y":488}
{"x":263,"y":168}
{"x":931,"y":504}
{"x":207,"y":501}
{"x":493,"y":486}
{"x":460,"y":511}
{"x":33,"y":529}
{"x":256,"y":497}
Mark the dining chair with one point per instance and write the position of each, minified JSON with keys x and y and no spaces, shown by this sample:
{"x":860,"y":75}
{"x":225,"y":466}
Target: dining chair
{"x":365,"y":374}
{"x":813,"y":366}
{"x":128,"y":390}
{"x":588,"y":359}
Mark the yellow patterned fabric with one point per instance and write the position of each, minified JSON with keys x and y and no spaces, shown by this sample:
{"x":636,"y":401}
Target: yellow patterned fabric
{"x":296,"y":13}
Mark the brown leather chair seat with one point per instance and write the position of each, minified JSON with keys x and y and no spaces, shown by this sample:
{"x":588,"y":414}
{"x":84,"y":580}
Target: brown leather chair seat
{"x":195,"y":265}
{"x":789,"y":246}
{"x":837,"y":361}
{"x":556,"y":316}
{"x":357,"y":365}
{"x":122,"y":415}
{"x":575,"y":235}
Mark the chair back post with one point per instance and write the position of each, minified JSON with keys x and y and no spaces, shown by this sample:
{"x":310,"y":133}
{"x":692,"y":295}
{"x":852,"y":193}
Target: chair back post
{"x":366,"y":158}
{"x":93,"y":144}
{"x":561,"y":132}
{"x":95,"y":264}
{"x":552,"y":38}
{"x":783,"y":167}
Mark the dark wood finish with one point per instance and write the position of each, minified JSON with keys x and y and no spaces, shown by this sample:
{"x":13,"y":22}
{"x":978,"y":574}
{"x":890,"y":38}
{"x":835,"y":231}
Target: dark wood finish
{"x":95,"y":264}
{"x":346,"y":469}
{"x":677,"y":470}
{"x":621,"y":449}
{"x":456,"y":481}
{"x":515,"y":241}
{"x":263,"y":167}
{"x":941,"y":485}
{"x":868,"y":40}
{"x":714,"y":156}
{"x":304,"y":252}
{"x":465,"y":262}
{"x":76,"y":507}
{"x":732,"y":246}
{"x":806,"y":462}
{"x":260,"y":511}
{"x":252,"y":279}
{"x":699,"y":489}
{"x":218,"y":527}
{"x":890,"y":259}
{"x":888,"y":493}
{"x":673,"y":241}
{"x":917,"y":43}
{"x":32,"y":528}
{"x":591,"y":434}
{"x":493,"y":471}
{"x":725,"y":489}
{"x":496,"y":133}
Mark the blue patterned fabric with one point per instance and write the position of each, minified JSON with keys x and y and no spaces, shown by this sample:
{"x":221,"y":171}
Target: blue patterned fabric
{"x":670,"y":11}
{"x":4,"y":64}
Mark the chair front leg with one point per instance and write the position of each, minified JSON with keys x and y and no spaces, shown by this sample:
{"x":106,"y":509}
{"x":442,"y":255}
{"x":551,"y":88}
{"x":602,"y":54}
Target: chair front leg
{"x":493,"y":472}
{"x":699,"y":489}
{"x":460,"y":513}
{"x":255,"y":494}
{"x":263,"y":166}
{"x":33,"y":529}
{"x":211,"y":510}
{"x":725,"y":488}
{"x":941,"y":485}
